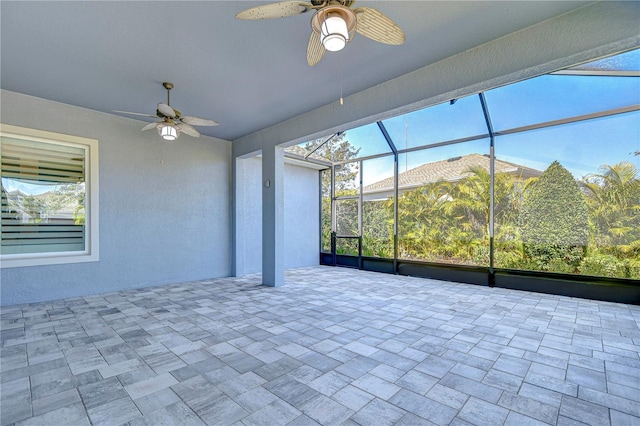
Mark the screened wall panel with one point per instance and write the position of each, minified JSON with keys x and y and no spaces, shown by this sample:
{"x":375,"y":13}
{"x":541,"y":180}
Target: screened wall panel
{"x":444,"y":204}
{"x":347,"y":180}
{"x":556,"y":97}
{"x":539,"y":176}
{"x":378,"y":194}
{"x":439,"y":123}
{"x":581,"y":215}
{"x":325,"y":211}
{"x":367,"y":140}
{"x":347,"y":217}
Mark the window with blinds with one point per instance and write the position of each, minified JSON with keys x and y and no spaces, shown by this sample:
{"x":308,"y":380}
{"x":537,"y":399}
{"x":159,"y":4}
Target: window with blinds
{"x":45,"y":198}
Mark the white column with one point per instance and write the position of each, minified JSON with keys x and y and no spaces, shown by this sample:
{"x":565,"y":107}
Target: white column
{"x":273,"y":216}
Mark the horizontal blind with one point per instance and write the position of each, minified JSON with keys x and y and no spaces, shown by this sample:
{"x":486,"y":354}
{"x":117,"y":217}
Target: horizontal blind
{"x":42,"y":197}
{"x":42,"y":162}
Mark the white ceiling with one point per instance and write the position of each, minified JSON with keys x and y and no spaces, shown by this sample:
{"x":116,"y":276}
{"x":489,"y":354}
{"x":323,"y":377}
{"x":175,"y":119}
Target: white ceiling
{"x":247,"y":75}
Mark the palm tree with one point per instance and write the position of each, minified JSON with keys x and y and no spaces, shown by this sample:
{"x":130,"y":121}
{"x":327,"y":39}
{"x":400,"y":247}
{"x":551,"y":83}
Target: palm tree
{"x":613,"y":197}
{"x":422,"y":220}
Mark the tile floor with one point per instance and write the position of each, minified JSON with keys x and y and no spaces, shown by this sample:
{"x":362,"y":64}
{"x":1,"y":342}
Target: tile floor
{"x":334,"y":346}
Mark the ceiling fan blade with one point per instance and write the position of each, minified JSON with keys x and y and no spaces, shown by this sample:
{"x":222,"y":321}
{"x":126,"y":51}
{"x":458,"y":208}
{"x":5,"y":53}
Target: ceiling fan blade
{"x":197,"y":121}
{"x":166,"y":111}
{"x":135,"y":113}
{"x":275,"y":10}
{"x":376,"y":26}
{"x":189,"y":130}
{"x":315,"y":49}
{"x":149,"y":126}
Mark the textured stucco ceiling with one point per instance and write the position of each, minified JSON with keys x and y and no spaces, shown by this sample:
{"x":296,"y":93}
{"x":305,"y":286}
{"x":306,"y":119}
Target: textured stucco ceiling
{"x":247,"y":75}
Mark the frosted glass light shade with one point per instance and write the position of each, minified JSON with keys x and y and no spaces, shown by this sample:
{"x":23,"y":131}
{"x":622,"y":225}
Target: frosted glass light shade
{"x":334,"y":34}
{"x":168,"y":131}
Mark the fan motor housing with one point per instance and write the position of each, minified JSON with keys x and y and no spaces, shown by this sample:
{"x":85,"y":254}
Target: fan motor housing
{"x":345,"y":3}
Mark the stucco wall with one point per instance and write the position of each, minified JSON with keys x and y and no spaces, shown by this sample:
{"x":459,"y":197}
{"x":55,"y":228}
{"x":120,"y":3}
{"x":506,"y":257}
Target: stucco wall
{"x":164,"y":207}
{"x":301,"y":216}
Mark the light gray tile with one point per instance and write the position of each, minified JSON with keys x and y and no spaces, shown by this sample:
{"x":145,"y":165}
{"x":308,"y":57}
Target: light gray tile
{"x":587,"y":378}
{"x":118,"y":411}
{"x":174,"y":414}
{"x":102,"y":392}
{"x":623,"y":419}
{"x":352,"y":397}
{"x":55,"y":401}
{"x":529,"y":407}
{"x":611,"y":401}
{"x":330,"y":383}
{"x":447,"y":396}
{"x":477,"y":411}
{"x":512,"y":365}
{"x":584,"y":411}
{"x":502,"y":380}
{"x":221,"y":410}
{"x":69,"y":414}
{"x":255,"y":399}
{"x":376,"y":386}
{"x":424,"y":407}
{"x":517,"y":419}
{"x":417,"y":382}
{"x":241,"y":384}
{"x":552,"y":383}
{"x":120,"y":367}
{"x":276,"y":413}
{"x":325,"y":411}
{"x":379,"y":413}
{"x":471,"y":387}
{"x":151,"y":385}
{"x":156,"y":401}
{"x":290,"y":390}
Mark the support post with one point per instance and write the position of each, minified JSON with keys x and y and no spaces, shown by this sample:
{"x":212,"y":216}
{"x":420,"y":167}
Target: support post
{"x":273,"y":216}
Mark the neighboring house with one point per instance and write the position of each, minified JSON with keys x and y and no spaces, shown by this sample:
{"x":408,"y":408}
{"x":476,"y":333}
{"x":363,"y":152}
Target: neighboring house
{"x":450,"y":170}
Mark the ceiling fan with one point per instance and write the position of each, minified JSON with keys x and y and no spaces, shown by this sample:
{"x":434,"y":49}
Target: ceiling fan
{"x":333,"y":24}
{"x":172,"y":121}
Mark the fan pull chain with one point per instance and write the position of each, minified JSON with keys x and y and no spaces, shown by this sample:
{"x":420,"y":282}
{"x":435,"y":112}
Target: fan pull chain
{"x":341,"y":78}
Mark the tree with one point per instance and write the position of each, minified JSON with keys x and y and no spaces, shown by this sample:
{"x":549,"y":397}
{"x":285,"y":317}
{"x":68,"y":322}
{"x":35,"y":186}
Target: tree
{"x":471,"y":204}
{"x":554,"y":222}
{"x":613,"y":198}
{"x":69,"y":195}
{"x":423,"y":221}
{"x":336,"y":150}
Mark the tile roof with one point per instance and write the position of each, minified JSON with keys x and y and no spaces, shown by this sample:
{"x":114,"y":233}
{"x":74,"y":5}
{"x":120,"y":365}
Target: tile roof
{"x":450,"y":170}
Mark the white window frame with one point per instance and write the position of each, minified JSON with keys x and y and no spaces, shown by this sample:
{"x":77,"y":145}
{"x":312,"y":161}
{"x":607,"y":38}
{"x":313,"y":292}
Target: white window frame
{"x":91,"y":249}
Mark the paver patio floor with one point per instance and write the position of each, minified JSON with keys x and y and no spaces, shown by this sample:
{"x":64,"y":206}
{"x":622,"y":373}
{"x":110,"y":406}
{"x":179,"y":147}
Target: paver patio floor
{"x":333,"y":346}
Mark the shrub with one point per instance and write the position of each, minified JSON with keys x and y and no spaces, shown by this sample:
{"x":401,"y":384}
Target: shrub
{"x":554,"y":222}
{"x":603,"y":265}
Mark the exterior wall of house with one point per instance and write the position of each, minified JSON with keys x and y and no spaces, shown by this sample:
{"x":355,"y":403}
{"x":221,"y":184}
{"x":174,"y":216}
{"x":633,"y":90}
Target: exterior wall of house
{"x":301,"y":207}
{"x":301,"y":216}
{"x":249,"y":220}
{"x":164,"y":207}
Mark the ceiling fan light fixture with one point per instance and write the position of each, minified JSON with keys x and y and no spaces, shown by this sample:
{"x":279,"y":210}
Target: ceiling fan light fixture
{"x":336,"y":26}
{"x":168,"y":131}
{"x":335,"y":35}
